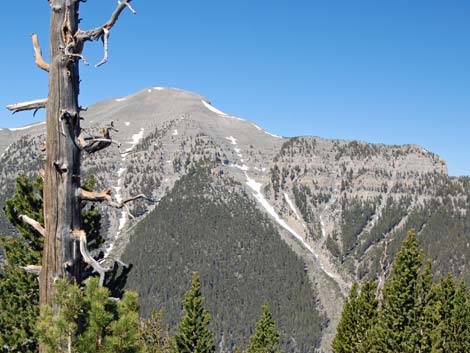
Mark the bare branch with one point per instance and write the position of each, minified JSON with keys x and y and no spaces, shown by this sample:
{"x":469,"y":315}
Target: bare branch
{"x":32,"y":105}
{"x":35,"y":224}
{"x":105,"y":47}
{"x":81,"y":236}
{"x":96,"y":196}
{"x":106,"y":196}
{"x":33,"y":269}
{"x":102,"y":32}
{"x":40,"y":62}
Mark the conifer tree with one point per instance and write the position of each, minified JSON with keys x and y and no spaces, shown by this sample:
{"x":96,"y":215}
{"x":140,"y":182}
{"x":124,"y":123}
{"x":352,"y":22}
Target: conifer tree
{"x":19,"y":288}
{"x":193,"y":334}
{"x":19,"y":299}
{"x":88,"y":321}
{"x":358,"y":317}
{"x":459,"y":341}
{"x":265,"y":339}
{"x":398,"y":327}
{"x":345,"y":339}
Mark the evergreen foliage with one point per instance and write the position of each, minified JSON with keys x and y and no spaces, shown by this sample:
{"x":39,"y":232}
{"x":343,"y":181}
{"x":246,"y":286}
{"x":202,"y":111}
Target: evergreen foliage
{"x":89,"y":322}
{"x":413,"y":313}
{"x":359,"y":316}
{"x":193,"y":334}
{"x":19,"y":299}
{"x":398,"y":325}
{"x":265,"y":338}
{"x":19,"y":289}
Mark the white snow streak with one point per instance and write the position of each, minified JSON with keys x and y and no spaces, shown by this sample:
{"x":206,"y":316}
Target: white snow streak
{"x":256,"y":126}
{"x":121,"y":99}
{"x":175,"y":133}
{"x":291,"y":205}
{"x":243,"y":167}
{"x":159,"y":88}
{"x":26,"y":127}
{"x":256,"y":187}
{"x":276,"y":136}
{"x":213,"y":109}
{"x":134,"y":140}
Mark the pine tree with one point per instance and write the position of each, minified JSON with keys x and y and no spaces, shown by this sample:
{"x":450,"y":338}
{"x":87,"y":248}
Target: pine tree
{"x":398,"y":328}
{"x":193,"y":333}
{"x":265,"y":338}
{"x":19,"y":299}
{"x":460,"y":321}
{"x":19,"y":289}
{"x":345,"y":339}
{"x":358,"y":317}
{"x":88,"y":321}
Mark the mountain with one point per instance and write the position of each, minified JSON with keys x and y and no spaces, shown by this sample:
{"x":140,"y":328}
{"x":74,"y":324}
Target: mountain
{"x":295,"y":220}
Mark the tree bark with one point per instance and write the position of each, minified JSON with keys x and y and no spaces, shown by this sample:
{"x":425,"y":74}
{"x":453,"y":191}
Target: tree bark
{"x":62,"y":212}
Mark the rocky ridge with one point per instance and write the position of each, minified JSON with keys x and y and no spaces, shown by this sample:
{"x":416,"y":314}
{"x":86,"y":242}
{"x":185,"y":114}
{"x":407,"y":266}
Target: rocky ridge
{"x":341,"y":205}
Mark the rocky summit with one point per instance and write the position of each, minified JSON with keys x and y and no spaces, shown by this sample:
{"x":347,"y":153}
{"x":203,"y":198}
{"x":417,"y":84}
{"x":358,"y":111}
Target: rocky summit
{"x":293,"y":219}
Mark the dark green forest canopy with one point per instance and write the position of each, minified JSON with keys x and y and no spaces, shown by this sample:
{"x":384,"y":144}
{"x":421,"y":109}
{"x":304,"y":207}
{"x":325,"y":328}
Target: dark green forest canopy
{"x":214,"y":228}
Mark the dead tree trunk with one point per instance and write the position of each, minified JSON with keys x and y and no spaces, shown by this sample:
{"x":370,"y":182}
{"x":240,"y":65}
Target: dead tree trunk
{"x":65,"y":252}
{"x":62,"y":211}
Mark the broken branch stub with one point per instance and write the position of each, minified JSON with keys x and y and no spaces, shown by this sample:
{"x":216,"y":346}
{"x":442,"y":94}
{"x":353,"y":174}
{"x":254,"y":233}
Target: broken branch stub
{"x":33,"y":223}
{"x":33,"y":269}
{"x":31,"y":105}
{"x":40,"y":62}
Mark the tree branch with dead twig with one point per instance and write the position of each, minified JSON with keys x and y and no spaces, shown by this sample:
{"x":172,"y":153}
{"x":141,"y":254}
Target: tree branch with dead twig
{"x":102,"y":32}
{"x":105,"y":196}
{"x":80,"y":235}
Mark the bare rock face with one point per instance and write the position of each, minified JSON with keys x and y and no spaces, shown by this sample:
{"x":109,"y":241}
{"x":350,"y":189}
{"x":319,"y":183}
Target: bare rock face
{"x":343,"y":206}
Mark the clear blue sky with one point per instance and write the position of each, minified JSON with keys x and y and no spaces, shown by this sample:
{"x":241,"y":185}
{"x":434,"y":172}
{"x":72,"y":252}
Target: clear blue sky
{"x":389,"y":71}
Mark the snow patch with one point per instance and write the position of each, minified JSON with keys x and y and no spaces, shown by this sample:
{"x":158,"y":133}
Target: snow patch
{"x":213,"y":109}
{"x":256,"y":126}
{"x":234,"y":117}
{"x":158,"y":88}
{"x":243,"y":167}
{"x":232,"y":139}
{"x":291,"y":205}
{"x":276,"y":136}
{"x":149,"y":90}
{"x":127,"y":123}
{"x":175,"y":133}
{"x":236,"y":149}
{"x":121,"y":99}
{"x":26,"y":127}
{"x":134,"y":141}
